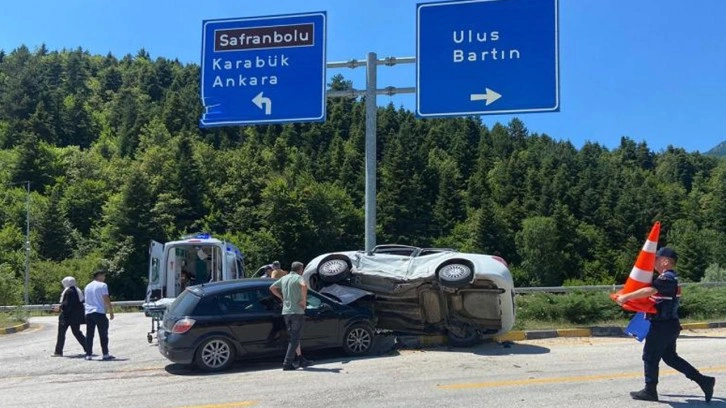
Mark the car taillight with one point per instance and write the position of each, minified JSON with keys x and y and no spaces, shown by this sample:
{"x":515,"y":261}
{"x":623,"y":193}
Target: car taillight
{"x":182,"y":326}
{"x":500,"y":259}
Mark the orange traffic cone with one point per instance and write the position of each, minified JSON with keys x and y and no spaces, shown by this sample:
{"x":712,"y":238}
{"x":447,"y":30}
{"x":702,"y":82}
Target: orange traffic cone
{"x":641,"y":276}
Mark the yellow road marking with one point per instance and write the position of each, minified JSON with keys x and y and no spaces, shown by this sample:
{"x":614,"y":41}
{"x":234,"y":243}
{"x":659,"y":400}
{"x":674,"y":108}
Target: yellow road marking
{"x":560,"y":380}
{"x":18,"y":329}
{"x":574,"y":332}
{"x":693,"y":326}
{"x":240,"y":404}
{"x":32,"y":329}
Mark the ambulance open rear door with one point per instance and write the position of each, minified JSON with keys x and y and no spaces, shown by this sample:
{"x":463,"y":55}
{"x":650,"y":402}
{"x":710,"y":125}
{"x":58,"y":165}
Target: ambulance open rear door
{"x":155,"y":289}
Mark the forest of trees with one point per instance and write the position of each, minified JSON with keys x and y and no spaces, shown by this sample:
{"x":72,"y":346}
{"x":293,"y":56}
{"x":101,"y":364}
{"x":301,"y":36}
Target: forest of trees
{"x":115,"y":157}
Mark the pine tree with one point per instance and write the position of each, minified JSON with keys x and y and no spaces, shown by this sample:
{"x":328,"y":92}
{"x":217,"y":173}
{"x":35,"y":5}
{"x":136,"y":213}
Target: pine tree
{"x":693,"y":254}
{"x":187,"y":184}
{"x":78,"y":127}
{"x":448,"y":210}
{"x":716,"y":209}
{"x":403,"y":211}
{"x":76,"y":73}
{"x":486,"y":230}
{"x":54,"y":229}
{"x":41,"y":123}
{"x":131,"y":228}
{"x":33,"y":163}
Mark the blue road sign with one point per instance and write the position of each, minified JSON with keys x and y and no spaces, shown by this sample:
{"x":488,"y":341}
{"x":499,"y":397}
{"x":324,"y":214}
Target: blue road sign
{"x":487,"y":57}
{"x":263,"y":70}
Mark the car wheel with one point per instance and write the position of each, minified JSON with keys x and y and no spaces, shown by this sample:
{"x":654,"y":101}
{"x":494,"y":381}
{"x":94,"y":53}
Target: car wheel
{"x":455,"y":275}
{"x":465,"y":337}
{"x":215,"y":354}
{"x":358,"y":340}
{"x":333,"y":269}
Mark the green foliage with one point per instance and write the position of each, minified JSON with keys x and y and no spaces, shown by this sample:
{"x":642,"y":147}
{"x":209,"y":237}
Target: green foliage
{"x":54,"y":229}
{"x":115,"y":158}
{"x":714,"y":273}
{"x":703,"y":303}
{"x":574,"y":307}
{"x":542,"y":260}
{"x":46,"y":277}
{"x":594,"y":307}
{"x":11,"y":288}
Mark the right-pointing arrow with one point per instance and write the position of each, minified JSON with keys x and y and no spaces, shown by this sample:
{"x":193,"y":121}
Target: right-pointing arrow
{"x":490,"y":96}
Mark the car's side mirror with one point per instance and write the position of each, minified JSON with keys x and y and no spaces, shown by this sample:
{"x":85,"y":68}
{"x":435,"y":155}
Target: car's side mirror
{"x":324,"y":307}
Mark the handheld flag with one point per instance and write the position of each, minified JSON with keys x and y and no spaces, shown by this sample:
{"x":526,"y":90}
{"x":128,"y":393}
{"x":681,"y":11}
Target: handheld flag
{"x":641,"y":276}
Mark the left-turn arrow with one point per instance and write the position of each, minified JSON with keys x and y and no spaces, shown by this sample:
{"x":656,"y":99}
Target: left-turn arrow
{"x":261,"y":100}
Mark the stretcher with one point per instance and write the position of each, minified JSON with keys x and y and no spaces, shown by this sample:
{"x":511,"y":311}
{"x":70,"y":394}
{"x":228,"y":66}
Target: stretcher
{"x":155,"y":310}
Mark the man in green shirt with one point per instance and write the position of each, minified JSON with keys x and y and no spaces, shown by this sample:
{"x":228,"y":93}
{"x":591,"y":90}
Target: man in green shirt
{"x":293,"y":291}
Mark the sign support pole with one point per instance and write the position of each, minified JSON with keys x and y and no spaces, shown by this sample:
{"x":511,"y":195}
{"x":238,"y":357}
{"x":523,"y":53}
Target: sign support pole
{"x":371,"y":127}
{"x":27,"y":244}
{"x":370,"y":93}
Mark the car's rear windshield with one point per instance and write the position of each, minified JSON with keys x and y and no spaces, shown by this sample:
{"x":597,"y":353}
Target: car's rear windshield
{"x":183,"y":304}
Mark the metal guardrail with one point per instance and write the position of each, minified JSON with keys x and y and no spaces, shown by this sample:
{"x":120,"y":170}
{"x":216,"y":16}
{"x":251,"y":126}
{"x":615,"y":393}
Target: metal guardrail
{"x":49,"y":307}
{"x":567,"y":289}
{"x":550,"y":289}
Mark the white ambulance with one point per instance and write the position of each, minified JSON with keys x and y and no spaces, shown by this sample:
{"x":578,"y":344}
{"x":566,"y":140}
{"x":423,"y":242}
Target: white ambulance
{"x":193,"y":260}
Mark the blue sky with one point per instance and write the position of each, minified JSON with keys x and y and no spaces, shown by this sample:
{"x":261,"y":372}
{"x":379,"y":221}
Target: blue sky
{"x":653,"y":70}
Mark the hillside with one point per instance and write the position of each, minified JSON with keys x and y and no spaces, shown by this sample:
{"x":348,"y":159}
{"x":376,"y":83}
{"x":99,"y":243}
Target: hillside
{"x":718,"y":151}
{"x":115,"y":158}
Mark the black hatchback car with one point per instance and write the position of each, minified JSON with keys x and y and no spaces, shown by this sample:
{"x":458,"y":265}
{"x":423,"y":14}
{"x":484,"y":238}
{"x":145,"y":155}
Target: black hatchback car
{"x":212,"y":325}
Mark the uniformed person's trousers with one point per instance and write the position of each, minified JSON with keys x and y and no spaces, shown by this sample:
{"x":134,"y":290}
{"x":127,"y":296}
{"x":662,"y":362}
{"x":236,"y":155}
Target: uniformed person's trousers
{"x":660,"y":343}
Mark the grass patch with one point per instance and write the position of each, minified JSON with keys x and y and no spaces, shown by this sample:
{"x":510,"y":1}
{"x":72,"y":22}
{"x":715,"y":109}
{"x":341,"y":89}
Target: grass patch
{"x":10,"y":319}
{"x":523,"y":324}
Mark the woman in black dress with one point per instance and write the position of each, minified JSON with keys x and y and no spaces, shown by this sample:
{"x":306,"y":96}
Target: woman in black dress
{"x":72,"y":314}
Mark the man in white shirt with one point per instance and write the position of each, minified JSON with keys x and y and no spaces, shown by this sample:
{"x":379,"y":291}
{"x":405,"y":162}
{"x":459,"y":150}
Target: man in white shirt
{"x":97,"y":305}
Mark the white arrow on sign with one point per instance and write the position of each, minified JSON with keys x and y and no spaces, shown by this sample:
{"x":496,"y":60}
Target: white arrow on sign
{"x":260,"y":100}
{"x":490,"y":96}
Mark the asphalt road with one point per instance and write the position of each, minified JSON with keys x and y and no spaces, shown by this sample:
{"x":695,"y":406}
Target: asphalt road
{"x":568,"y":372}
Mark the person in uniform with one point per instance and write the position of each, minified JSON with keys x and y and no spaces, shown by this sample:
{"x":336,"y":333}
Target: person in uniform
{"x":660,"y":343}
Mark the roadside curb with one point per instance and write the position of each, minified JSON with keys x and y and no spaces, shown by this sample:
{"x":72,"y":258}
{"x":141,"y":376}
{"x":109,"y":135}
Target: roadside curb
{"x":519,"y":335}
{"x":14,"y":329}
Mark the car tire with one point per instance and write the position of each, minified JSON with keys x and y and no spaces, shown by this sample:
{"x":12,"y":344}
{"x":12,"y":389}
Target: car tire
{"x":334,"y":269}
{"x":468,"y":338}
{"x":455,"y":275}
{"x":215,"y":354}
{"x":358,"y":339}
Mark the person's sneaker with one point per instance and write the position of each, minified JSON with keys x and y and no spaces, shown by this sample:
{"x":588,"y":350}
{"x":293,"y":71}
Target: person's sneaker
{"x":707,"y":385}
{"x":644,"y":395}
{"x":56,"y":355}
{"x":88,"y":358}
{"x":107,"y":357}
{"x":288,"y":367}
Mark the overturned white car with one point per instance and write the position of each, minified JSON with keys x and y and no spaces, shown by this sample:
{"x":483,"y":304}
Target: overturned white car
{"x":426,"y":291}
